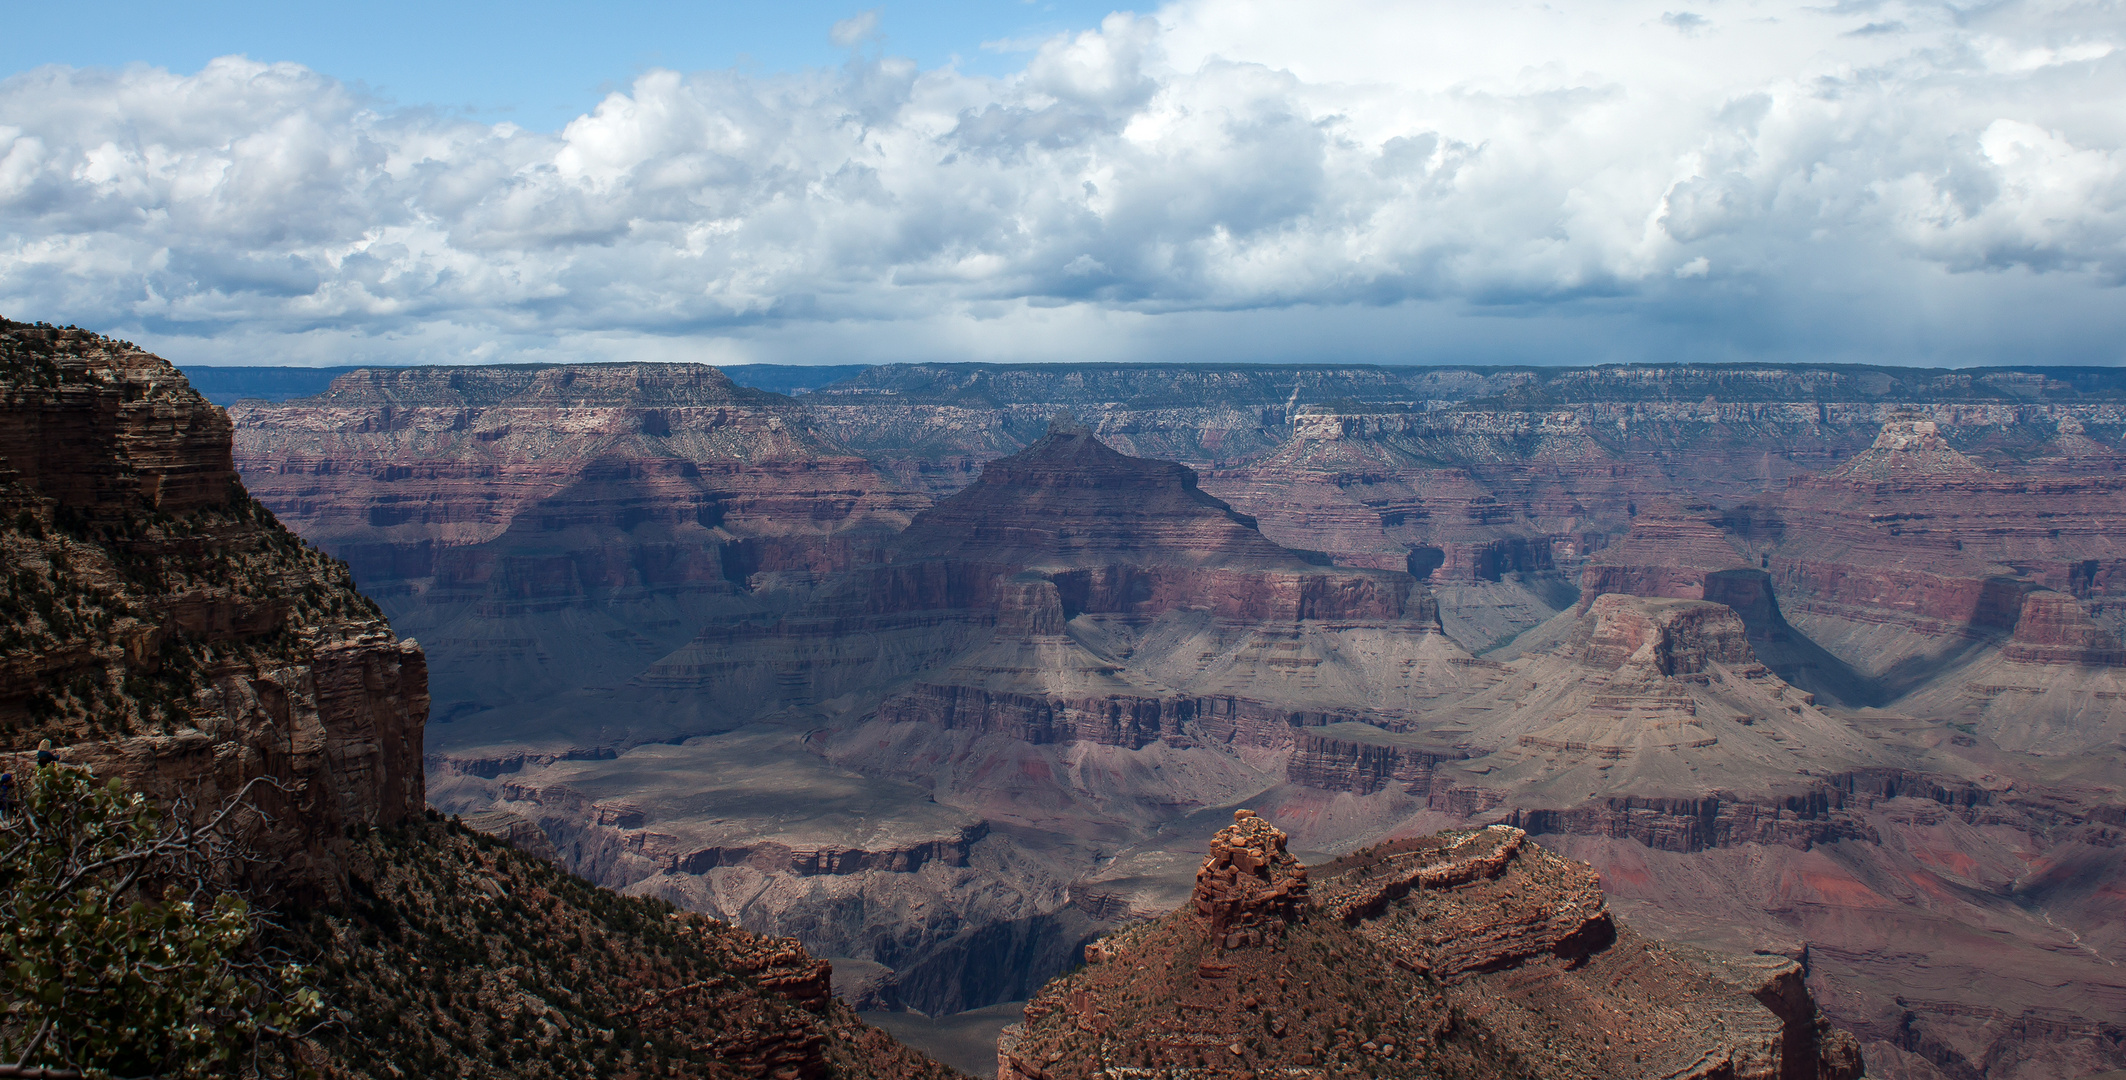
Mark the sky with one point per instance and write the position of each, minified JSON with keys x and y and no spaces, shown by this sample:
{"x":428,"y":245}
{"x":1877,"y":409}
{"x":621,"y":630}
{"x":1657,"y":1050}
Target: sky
{"x":1877,"y":181}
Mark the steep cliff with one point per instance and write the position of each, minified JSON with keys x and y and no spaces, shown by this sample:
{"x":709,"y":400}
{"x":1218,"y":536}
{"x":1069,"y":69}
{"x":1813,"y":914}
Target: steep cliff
{"x":163,"y":628}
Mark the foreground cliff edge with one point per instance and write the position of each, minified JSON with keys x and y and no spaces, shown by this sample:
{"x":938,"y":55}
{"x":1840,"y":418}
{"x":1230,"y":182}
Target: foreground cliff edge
{"x":160,"y":628}
{"x":1465,"y":954}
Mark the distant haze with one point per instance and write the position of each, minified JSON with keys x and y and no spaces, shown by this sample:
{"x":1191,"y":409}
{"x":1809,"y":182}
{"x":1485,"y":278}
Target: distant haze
{"x":1218,"y":180}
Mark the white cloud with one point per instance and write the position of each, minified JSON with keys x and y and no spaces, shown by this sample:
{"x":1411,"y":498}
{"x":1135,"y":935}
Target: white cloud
{"x":855,"y":30}
{"x":1408,"y":181}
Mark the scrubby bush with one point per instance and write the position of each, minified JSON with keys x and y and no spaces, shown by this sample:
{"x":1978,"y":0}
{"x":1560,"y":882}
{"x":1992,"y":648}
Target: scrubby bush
{"x":120,"y":955}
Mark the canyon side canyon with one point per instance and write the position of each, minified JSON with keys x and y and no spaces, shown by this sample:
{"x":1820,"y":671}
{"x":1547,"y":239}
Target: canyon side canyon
{"x":947,"y":670}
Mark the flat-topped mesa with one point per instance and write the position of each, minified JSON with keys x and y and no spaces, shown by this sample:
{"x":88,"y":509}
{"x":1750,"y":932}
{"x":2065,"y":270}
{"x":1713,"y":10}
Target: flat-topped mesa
{"x":568,"y":386}
{"x":1249,"y":886}
{"x":1674,"y":637}
{"x":1669,"y":552}
{"x":2055,"y":629}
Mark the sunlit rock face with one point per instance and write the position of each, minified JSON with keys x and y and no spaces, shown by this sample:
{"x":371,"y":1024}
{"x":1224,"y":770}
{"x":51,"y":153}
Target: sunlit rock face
{"x":1461,"y":953}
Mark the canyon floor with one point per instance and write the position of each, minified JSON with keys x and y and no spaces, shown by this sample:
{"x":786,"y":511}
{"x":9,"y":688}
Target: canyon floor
{"x":1817,"y":663}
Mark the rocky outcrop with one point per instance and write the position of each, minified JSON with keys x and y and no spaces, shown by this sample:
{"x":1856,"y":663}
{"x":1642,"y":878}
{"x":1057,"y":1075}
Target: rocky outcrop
{"x":1513,"y":942}
{"x":1439,"y":905}
{"x":165,"y":630}
{"x":1524,"y":937}
{"x":1249,"y":886}
{"x":2054,"y":629}
{"x":1674,"y":639}
{"x":1364,"y":885}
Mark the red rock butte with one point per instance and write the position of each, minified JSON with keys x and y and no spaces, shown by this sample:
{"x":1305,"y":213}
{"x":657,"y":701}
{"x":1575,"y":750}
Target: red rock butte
{"x":1250,"y":886}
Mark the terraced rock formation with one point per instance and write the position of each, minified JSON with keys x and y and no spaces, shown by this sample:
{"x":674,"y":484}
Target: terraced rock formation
{"x":1078,"y":616}
{"x":561,"y":527}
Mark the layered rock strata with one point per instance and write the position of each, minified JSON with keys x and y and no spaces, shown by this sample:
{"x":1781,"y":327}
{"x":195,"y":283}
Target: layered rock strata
{"x":1030,"y":711}
{"x":563,"y":526}
{"x":1082,"y":645}
{"x":162,"y":628}
{"x":2053,"y":628}
{"x":1649,"y":698}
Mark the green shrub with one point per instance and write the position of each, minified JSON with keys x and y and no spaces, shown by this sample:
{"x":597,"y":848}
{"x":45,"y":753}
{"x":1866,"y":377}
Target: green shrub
{"x":122,"y":958}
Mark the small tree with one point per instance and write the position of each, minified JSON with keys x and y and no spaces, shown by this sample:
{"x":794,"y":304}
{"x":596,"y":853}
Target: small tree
{"x":121,"y":953}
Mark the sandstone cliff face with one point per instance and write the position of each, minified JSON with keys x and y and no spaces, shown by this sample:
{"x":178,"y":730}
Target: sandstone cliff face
{"x":165,"y":629}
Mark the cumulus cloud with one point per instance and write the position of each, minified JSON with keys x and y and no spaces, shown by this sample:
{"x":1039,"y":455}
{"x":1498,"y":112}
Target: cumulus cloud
{"x":1224,"y":179}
